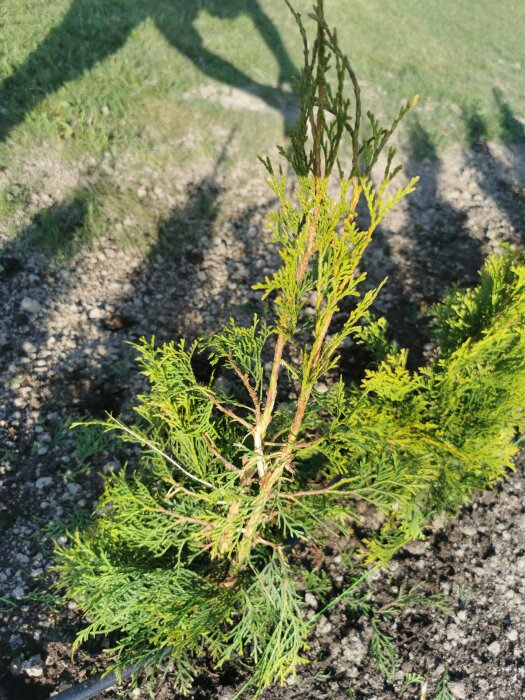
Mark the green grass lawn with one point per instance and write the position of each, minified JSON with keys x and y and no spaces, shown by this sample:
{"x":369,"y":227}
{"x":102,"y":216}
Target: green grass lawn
{"x":150,"y":90}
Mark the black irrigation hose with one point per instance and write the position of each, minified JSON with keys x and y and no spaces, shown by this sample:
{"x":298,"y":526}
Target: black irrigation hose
{"x":97,"y":684}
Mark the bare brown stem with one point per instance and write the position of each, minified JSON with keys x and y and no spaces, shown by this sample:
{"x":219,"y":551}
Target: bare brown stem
{"x":215,"y":401}
{"x":247,"y":384}
{"x":307,"y":386}
{"x":178,"y":488}
{"x":271,"y":478}
{"x":183,"y":518}
{"x":273,"y":384}
{"x":215,"y":452}
{"x":305,"y":494}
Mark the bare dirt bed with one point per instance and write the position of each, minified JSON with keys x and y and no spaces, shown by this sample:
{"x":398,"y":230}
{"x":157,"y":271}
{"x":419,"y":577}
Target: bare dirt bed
{"x":63,"y":353}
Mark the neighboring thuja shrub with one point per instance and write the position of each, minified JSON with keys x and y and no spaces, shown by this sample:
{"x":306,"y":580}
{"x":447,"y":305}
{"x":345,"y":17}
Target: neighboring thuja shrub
{"x":439,"y":434}
{"x":195,"y":551}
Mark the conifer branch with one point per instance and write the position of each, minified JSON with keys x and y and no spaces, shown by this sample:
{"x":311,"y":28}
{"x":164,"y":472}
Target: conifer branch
{"x":267,"y":543}
{"x":307,"y":494}
{"x":155,"y":448}
{"x":177,"y":488}
{"x":273,"y":384}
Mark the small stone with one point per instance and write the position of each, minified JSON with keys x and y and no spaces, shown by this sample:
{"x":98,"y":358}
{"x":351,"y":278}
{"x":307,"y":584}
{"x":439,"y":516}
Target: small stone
{"x":494,"y":648}
{"x":18,"y":592}
{"x":33,"y":667}
{"x":470,"y":530}
{"x":520,"y":563}
{"x":324,"y":627}
{"x":512,"y":635}
{"x":16,"y":641}
{"x":452,"y":633}
{"x":43,"y":482}
{"x":95,"y":314}
{"x":73,"y":488}
{"x":354,"y":650}
{"x":28,"y":347}
{"x":311,"y":601}
{"x":14,"y":667}
{"x":458,"y":690}
{"x":417,"y":547}
{"x":31,"y":306}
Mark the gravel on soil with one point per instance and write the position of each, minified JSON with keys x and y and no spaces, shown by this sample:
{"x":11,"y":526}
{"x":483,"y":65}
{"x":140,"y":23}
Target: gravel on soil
{"x":63,"y":354}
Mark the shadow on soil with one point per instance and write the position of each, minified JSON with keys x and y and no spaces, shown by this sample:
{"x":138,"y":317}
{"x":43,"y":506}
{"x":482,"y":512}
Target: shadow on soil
{"x":87,"y":380}
{"x":91,"y":376}
{"x":438,"y":251}
{"x":92,"y":30}
{"x":438,"y":247}
{"x":507,"y":187}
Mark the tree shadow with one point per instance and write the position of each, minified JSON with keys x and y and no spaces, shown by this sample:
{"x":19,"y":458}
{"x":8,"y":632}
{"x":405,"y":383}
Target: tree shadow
{"x":503,"y":183}
{"x":65,"y":228}
{"x":430,"y":251}
{"x":443,"y":251}
{"x":93,"y":30}
{"x":54,"y":234}
{"x":181,"y":287}
{"x":512,"y":129}
{"x":63,"y":358}
{"x":443,"y":241}
{"x":35,"y":275}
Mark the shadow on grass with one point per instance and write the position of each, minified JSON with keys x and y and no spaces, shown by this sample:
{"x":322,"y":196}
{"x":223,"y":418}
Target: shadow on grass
{"x":92,"y":30}
{"x":65,"y":228}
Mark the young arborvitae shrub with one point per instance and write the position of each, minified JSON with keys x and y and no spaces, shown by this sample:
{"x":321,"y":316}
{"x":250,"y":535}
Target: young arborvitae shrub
{"x":195,"y":550}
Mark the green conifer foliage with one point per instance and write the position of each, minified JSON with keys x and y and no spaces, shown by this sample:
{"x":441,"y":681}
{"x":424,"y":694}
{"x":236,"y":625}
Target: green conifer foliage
{"x":193,"y":551}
